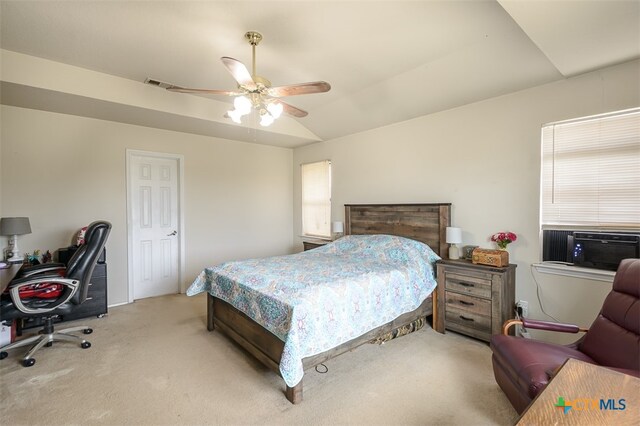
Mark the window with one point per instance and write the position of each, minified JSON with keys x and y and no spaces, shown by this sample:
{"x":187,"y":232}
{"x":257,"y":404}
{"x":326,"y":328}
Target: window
{"x":590,"y":175}
{"x":316,"y":199}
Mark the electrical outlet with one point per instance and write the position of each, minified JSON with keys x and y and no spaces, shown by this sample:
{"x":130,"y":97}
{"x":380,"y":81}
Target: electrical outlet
{"x":523,"y":308}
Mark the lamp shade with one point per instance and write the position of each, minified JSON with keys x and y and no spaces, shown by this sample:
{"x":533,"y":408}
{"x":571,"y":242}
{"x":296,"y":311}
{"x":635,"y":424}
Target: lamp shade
{"x":337,"y":227}
{"x":15,"y":226}
{"x":454,"y":235}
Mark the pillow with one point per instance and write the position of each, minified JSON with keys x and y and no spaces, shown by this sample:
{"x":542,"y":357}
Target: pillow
{"x":80,"y":237}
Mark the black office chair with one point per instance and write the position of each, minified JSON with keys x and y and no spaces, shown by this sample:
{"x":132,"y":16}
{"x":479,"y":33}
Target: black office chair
{"x":49,"y":290}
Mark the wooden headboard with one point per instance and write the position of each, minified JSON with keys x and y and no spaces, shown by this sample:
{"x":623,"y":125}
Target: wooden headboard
{"x":422,"y":222}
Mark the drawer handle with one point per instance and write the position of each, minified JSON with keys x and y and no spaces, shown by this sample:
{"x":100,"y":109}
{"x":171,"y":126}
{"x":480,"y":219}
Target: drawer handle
{"x":466,"y":319}
{"x":466,"y":303}
{"x":466,"y":284}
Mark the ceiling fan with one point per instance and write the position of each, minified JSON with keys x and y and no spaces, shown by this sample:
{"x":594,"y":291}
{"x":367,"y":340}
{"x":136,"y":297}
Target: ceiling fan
{"x":255,"y":92}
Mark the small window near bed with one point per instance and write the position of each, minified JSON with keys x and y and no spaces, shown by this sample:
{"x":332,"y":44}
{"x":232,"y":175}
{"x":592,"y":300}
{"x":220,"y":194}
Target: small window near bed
{"x":316,"y":199}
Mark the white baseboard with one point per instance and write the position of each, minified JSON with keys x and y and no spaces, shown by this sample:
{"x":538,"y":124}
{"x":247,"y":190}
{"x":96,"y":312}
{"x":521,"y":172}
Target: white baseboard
{"x":118,"y":304}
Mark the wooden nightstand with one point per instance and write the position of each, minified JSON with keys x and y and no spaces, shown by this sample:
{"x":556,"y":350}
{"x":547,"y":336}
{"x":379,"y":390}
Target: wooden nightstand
{"x":474,"y":299}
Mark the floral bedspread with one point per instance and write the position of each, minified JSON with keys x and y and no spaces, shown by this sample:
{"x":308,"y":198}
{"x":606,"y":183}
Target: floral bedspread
{"x":318,"y":299}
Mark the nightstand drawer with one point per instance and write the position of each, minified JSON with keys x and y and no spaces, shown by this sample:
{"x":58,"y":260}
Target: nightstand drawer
{"x":472,"y":305}
{"x":468,"y":284}
{"x":308,"y":245}
{"x":467,"y":319}
{"x":478,"y":333}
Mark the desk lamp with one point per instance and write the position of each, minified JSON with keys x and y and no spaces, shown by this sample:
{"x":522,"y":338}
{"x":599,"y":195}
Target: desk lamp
{"x":14,"y":226}
{"x":454,"y":236}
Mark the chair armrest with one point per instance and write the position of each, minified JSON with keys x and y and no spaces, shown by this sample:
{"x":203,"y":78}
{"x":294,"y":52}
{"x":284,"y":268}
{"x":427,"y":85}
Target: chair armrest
{"x":32,"y":280}
{"x":551,"y":326}
{"x":542,"y":325}
{"x":507,"y":325}
{"x":29,"y":271}
{"x":71,"y":287}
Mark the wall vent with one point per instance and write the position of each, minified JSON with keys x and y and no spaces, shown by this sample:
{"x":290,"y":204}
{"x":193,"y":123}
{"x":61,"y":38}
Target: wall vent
{"x":157,"y":83}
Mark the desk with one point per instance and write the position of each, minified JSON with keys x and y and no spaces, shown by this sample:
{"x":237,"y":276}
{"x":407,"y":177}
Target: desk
{"x":579,"y":383}
{"x":6,"y":275}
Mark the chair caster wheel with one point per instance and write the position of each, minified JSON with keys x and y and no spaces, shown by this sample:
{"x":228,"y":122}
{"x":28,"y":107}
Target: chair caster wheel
{"x":85,"y":345}
{"x":3,"y":355}
{"x":87,"y":330}
{"x":28,"y":362}
{"x":48,"y":344}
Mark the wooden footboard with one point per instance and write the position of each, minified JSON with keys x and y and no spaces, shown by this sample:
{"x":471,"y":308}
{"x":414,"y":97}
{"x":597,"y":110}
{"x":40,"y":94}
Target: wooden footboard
{"x":267,"y":348}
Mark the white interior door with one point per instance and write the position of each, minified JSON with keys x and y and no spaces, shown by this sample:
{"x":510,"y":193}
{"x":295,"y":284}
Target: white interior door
{"x":154,"y":225}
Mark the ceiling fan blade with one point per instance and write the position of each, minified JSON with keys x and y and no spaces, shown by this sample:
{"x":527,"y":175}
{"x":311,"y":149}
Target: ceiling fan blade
{"x":299,"y":89}
{"x":294,"y":111}
{"x":239,"y":72}
{"x":203,"y":91}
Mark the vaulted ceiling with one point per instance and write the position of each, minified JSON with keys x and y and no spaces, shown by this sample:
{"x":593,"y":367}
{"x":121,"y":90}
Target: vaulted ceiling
{"x":387,"y":61}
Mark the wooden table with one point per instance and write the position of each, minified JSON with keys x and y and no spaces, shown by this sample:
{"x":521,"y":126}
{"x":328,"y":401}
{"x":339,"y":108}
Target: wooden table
{"x":586,"y":387}
{"x":8,"y":274}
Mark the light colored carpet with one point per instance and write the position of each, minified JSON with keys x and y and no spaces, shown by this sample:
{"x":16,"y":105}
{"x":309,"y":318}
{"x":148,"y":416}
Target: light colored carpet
{"x":153,"y":362}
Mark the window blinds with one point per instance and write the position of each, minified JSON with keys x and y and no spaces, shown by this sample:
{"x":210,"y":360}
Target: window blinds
{"x":591,"y":172}
{"x":316,"y":199}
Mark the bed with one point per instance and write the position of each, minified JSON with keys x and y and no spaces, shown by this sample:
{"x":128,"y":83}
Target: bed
{"x":268,"y":343}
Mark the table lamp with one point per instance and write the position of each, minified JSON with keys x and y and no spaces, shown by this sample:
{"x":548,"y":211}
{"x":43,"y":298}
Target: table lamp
{"x":338,"y":229}
{"x":454,"y":236}
{"x":14,"y":226}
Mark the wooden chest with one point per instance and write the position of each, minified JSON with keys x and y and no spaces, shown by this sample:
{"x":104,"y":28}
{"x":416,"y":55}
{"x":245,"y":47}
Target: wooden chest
{"x":497,"y":258}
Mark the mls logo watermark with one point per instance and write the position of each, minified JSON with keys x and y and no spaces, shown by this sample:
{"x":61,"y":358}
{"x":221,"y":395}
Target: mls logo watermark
{"x":585,"y":404}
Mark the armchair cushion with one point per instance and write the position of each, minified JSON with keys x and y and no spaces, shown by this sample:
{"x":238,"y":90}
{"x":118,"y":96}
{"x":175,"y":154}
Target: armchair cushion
{"x":613,"y":339}
{"x":530,"y":361}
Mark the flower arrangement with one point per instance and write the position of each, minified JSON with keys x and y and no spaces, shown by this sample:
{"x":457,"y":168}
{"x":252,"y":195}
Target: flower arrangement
{"x":502,"y":239}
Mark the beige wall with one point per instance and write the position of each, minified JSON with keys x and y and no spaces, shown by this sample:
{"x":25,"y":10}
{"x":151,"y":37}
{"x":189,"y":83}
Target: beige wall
{"x":241,"y":199}
{"x":485,"y":159}
{"x":64,"y":171}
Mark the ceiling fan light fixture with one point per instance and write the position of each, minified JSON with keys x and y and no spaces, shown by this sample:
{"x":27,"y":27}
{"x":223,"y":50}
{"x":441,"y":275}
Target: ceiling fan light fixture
{"x":275,"y":109}
{"x":266,"y":119}
{"x":243,"y":105}
{"x":235,"y":116}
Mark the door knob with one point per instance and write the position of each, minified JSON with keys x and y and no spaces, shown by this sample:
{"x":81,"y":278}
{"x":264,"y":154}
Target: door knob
{"x":172,"y":234}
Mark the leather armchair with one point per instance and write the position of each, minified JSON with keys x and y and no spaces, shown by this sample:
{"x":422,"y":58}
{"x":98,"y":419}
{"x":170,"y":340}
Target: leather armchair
{"x":523,"y":367}
{"x":49,"y":290}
